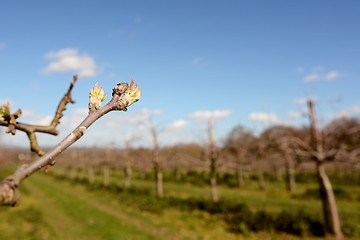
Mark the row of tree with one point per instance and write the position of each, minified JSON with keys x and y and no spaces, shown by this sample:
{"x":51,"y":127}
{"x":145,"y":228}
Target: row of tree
{"x":275,"y":148}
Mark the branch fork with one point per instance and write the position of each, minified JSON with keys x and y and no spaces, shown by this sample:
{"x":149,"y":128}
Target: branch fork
{"x":9,"y":120}
{"x":122,"y":97}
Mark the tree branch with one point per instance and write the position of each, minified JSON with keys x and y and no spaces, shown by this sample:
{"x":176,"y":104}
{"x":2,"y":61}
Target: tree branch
{"x":299,"y":142}
{"x":30,"y":130}
{"x":8,"y":188}
{"x":62,"y":105}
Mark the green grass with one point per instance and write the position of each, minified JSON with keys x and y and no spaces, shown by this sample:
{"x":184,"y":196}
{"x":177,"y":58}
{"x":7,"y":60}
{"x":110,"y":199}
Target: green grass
{"x":53,"y":208}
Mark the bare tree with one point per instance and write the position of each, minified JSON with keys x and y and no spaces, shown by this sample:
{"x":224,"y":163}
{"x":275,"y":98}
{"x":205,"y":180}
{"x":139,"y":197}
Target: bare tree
{"x":203,"y":117}
{"x":128,"y":161}
{"x":106,"y":167}
{"x":331,"y":215}
{"x":320,"y":154}
{"x":290,"y":167}
{"x":237,"y":144}
{"x":156,"y":162}
{"x":277,"y":142}
{"x":183,"y":157}
{"x":257,"y":149}
{"x":122,"y":97}
{"x":213,"y":156}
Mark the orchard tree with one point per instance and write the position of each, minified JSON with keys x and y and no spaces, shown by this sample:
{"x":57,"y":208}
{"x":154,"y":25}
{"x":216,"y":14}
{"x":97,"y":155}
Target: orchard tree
{"x":332,"y":220}
{"x":276,"y":139}
{"x":258,"y":151}
{"x":156,"y":162}
{"x":321,"y":152}
{"x":123,"y":96}
{"x":155,"y":155}
{"x":128,"y":160}
{"x":207,"y":117}
{"x":343,"y":133}
{"x":213,"y":156}
{"x":237,"y":144}
{"x":183,"y":157}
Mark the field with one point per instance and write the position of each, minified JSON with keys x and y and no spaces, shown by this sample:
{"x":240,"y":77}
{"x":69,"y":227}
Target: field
{"x":55,"y":207}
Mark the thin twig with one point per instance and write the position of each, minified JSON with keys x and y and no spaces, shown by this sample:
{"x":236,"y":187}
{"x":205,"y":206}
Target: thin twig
{"x":30,"y":129}
{"x":8,"y":188}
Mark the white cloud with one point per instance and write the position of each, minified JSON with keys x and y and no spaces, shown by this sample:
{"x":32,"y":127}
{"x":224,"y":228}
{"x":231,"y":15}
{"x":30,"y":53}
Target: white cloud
{"x":31,"y":117}
{"x":294,"y":114}
{"x":27,"y":113}
{"x":178,"y":124}
{"x":270,"y":118}
{"x":42,"y":120}
{"x":300,"y":101}
{"x":355,"y":109}
{"x":350,"y":112}
{"x":122,"y":120}
{"x":2,"y":45}
{"x":332,"y":75}
{"x":207,"y":115}
{"x":61,"y":53}
{"x":76,"y":117}
{"x":312,"y":77}
{"x":264,"y":117}
{"x":68,"y":122}
{"x":173,"y":133}
{"x":298,"y":114}
{"x":339,"y":114}
{"x":70,"y":60}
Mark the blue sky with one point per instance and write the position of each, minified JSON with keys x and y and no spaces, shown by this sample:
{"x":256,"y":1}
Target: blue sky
{"x":239,"y":62}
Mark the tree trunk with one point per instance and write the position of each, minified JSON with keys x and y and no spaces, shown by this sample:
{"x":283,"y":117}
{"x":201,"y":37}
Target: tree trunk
{"x":278,"y":174}
{"x":214,"y":193}
{"x":72,"y":173}
{"x":159,"y":185}
{"x":260,"y":173}
{"x":213,"y":169}
{"x":143,"y":173}
{"x":127,"y":169}
{"x":106,"y":176}
{"x":156,"y":162}
{"x":213,"y":187}
{"x":91,"y":175}
{"x":127,"y":172}
{"x":178,"y":174}
{"x":158,"y":178}
{"x":331,"y":216}
{"x":240,"y":177}
{"x":81,"y":174}
{"x":261,"y":179}
{"x":290,"y":174}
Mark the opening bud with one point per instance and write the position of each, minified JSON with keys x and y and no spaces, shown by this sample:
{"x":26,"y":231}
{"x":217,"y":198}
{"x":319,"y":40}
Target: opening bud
{"x":96,"y":96}
{"x":5,"y":110}
{"x":131,"y":95}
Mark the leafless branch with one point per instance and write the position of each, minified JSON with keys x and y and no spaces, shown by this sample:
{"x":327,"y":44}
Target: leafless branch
{"x":9,"y":194}
{"x":30,"y":129}
{"x":300,"y":143}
